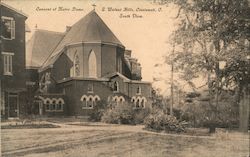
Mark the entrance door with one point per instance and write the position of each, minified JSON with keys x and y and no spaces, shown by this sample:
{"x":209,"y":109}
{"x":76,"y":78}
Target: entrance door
{"x":13,"y":106}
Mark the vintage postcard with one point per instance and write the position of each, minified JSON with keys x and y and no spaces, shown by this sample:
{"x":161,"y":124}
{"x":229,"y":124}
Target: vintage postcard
{"x":124,"y":78}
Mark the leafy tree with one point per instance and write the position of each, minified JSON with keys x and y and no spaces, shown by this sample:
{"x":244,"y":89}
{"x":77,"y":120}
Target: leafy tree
{"x":211,"y":31}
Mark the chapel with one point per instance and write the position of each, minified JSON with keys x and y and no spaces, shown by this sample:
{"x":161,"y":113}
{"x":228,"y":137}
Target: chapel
{"x":71,"y":72}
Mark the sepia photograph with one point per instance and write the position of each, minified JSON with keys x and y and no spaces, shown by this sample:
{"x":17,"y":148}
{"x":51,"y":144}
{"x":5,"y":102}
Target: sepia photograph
{"x":125,"y":78}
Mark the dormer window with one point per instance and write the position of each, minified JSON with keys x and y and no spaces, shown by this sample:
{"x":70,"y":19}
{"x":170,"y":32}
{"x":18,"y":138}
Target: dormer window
{"x":8,"y":27}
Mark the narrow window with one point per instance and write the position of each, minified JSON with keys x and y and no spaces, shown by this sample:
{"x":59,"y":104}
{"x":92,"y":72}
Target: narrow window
{"x":138,"y":90}
{"x":92,"y":65}
{"x":8,"y":31}
{"x":7,"y":60}
{"x":142,"y":103}
{"x":84,"y":103}
{"x":137,"y":105}
{"x":116,"y":86}
{"x":90,"y":88}
{"x":53,"y":105}
{"x":76,"y":65}
{"x":90,"y":103}
{"x":47,"y":105}
{"x":133,"y":100}
{"x":59,"y":105}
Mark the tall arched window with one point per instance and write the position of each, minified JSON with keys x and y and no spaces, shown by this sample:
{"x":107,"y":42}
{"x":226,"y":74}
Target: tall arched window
{"x":92,"y":65}
{"x":76,"y":65}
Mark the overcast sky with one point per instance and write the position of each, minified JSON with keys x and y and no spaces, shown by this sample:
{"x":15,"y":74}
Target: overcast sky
{"x":147,"y":37}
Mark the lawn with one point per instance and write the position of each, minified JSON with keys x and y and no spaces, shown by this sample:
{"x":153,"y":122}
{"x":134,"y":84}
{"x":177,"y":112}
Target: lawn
{"x":118,"y":141}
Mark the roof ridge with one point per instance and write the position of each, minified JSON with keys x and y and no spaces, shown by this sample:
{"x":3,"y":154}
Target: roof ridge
{"x":107,"y":27}
{"x":81,"y":18}
{"x":98,"y":27}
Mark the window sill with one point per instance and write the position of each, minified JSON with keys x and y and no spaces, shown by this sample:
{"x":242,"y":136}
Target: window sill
{"x":8,"y":74}
{"x":138,"y":108}
{"x":7,"y":38}
{"x":87,"y":108}
{"x":54,"y":110}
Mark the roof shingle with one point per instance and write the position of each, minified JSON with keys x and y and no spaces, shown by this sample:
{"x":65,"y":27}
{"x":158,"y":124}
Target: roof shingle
{"x":91,"y":28}
{"x":40,"y":46}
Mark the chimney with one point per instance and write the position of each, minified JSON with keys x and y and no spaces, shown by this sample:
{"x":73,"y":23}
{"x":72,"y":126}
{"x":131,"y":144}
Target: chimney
{"x":68,"y":28}
{"x":128,"y":53}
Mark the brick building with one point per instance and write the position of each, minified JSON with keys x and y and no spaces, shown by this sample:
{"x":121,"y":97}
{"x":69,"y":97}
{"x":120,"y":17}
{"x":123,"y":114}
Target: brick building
{"x":12,"y":61}
{"x":75,"y":69}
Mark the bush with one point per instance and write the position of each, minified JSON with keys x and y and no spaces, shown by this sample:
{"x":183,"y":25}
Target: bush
{"x":98,"y":111}
{"x":140,"y":115}
{"x":122,"y":113}
{"x":204,"y":113}
{"x":160,"y":121}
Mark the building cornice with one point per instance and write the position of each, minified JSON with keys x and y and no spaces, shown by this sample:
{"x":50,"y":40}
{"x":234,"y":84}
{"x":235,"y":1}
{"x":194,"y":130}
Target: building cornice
{"x":82,"y":79}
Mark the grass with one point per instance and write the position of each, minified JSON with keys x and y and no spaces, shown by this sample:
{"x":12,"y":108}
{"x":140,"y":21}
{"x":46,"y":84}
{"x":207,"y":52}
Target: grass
{"x":29,"y":126}
{"x":118,"y":141}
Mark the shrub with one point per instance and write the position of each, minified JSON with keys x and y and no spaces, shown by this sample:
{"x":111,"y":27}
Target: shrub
{"x":122,"y":113}
{"x":140,"y":115}
{"x":203,"y":111}
{"x":98,"y":111}
{"x":160,"y":121}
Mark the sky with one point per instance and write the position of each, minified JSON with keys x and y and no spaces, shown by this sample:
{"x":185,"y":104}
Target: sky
{"x":146,"y":33}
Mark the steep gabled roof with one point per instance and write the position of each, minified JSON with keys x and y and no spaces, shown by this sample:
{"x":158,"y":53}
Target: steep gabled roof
{"x":91,"y":28}
{"x":40,"y":46}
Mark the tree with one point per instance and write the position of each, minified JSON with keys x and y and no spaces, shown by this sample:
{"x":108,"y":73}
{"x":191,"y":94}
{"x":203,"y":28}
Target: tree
{"x":211,"y":31}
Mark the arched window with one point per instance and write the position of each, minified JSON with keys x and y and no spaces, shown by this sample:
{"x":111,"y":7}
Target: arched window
{"x":92,"y":65}
{"x":84,"y":102}
{"x":116,"y":86}
{"x":53,"y":105}
{"x":142,"y":103}
{"x":90,"y":102}
{"x":60,"y":103}
{"x":97,"y":98}
{"x":133,"y":101}
{"x":47,"y":103}
{"x":137,"y":105}
{"x":76,"y":65}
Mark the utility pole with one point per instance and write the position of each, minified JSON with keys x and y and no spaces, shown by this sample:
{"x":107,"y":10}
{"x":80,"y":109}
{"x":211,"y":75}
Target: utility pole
{"x":172,"y":82}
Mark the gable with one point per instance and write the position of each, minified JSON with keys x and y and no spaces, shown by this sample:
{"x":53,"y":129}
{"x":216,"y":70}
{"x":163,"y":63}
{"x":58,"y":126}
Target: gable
{"x":40,"y":46}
